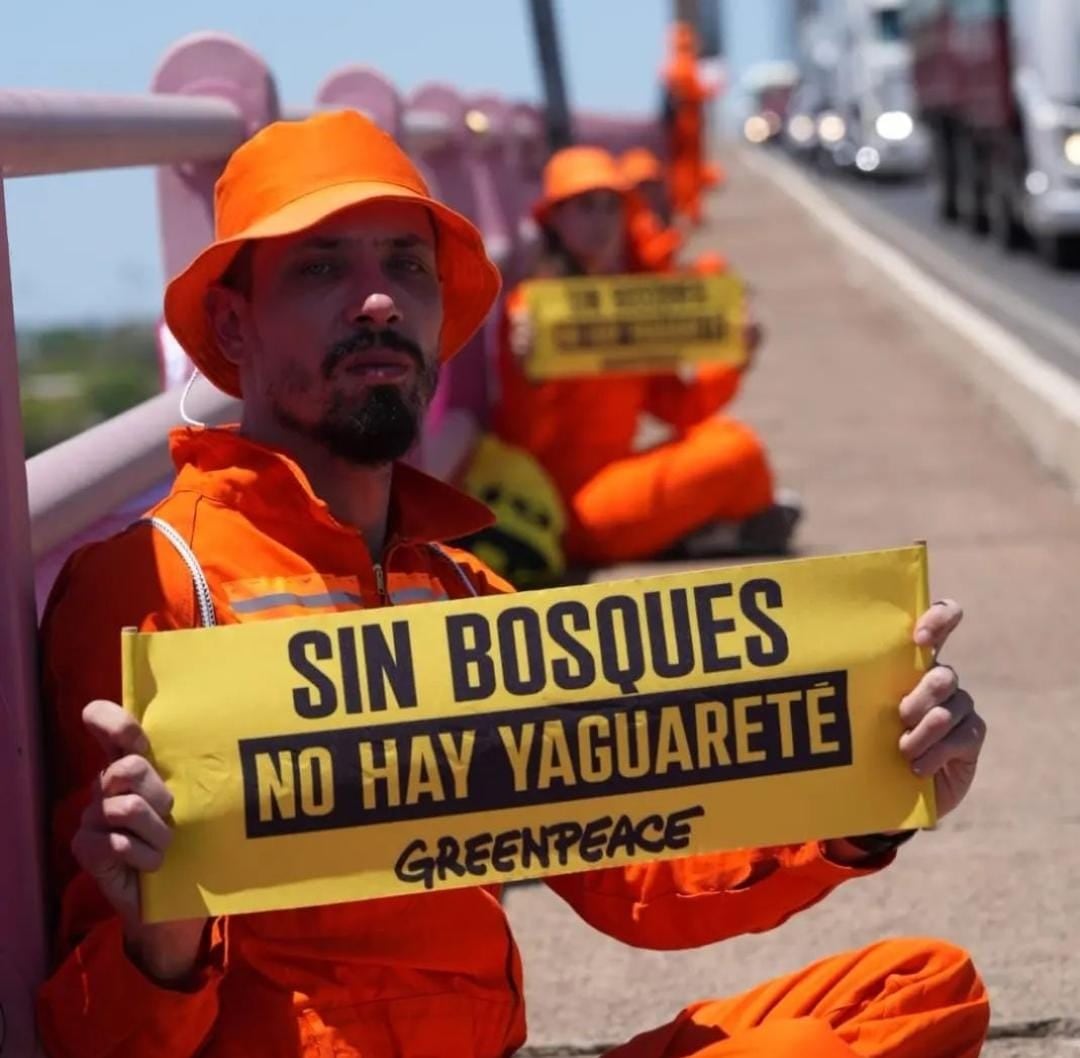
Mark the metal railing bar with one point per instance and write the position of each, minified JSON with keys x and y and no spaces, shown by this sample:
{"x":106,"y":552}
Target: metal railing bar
{"x":79,"y":481}
{"x":45,"y":132}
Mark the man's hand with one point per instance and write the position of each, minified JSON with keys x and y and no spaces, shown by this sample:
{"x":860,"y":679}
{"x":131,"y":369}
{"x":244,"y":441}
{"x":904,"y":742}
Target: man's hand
{"x":943,"y":734}
{"x":122,"y":832}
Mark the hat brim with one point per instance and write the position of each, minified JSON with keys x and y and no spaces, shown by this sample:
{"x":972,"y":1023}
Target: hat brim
{"x":470,"y":281}
{"x":636,"y":175}
{"x":542,"y":209}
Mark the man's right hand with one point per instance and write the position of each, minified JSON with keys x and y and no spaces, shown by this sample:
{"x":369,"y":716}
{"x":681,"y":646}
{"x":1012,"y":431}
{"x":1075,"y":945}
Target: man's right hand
{"x":123,"y":832}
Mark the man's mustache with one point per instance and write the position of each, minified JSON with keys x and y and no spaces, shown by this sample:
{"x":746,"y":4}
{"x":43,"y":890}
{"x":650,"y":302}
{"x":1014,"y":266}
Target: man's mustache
{"x":368,"y":338}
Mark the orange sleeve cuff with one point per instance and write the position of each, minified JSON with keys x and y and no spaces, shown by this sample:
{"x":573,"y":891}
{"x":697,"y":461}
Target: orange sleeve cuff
{"x":812,"y":861}
{"x":688,"y":903}
{"x":98,"y":1004}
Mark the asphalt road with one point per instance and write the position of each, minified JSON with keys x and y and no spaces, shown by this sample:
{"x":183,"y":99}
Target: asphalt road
{"x":1035,"y":302}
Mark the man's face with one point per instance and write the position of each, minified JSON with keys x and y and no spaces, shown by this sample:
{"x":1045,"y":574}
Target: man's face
{"x":339,"y":332}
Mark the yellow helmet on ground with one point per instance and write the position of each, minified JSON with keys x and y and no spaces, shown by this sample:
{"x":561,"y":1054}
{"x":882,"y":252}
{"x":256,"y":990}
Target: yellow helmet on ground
{"x":525,"y":544}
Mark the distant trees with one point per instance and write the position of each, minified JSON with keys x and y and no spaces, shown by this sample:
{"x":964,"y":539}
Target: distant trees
{"x":72,"y":378}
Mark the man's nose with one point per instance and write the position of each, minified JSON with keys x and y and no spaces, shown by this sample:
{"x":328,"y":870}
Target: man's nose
{"x":376,"y":310}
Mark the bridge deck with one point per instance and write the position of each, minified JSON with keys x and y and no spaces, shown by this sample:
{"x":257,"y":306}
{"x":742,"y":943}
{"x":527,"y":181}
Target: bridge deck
{"x":888,"y":444}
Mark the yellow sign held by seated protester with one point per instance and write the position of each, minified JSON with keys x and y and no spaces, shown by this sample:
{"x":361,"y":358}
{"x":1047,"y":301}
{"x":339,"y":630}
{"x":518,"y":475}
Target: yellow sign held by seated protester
{"x":634,"y":324}
{"x":366,"y":754}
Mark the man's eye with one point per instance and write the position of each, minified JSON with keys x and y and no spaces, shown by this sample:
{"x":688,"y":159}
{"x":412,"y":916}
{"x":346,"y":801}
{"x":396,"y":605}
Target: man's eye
{"x":409,"y":264}
{"x":317,"y":268}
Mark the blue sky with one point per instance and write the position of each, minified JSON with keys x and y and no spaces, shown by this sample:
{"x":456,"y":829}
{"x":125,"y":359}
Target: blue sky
{"x":84,"y":246}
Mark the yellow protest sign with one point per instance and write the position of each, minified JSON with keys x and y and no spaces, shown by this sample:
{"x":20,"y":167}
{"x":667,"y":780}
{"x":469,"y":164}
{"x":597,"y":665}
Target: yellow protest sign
{"x":588,"y":325}
{"x":355,"y":755}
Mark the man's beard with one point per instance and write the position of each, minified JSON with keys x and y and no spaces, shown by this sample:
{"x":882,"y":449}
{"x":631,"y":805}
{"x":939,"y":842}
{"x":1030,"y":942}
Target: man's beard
{"x":384,"y":423}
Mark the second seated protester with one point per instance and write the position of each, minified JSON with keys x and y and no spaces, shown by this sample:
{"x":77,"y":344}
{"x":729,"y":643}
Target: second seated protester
{"x":656,"y":241}
{"x":708,"y":489}
{"x":655,"y":238}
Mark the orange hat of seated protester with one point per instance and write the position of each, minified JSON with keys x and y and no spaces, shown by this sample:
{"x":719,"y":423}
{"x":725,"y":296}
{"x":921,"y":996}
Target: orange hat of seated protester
{"x":291,"y":176}
{"x":576,"y":171}
{"x":640,"y":166}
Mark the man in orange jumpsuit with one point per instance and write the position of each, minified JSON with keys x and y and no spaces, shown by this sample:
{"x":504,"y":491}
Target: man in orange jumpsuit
{"x":335,"y":287}
{"x":706,"y":490}
{"x":685,"y":96}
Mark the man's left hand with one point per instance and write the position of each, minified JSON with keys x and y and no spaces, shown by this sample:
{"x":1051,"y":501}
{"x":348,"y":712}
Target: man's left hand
{"x":943,"y":734}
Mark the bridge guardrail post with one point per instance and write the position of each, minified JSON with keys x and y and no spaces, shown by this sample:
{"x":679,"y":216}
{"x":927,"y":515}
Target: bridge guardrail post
{"x":204,"y":64}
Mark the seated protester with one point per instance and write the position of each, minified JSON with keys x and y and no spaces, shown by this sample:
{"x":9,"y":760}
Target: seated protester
{"x":708,"y":490}
{"x":656,"y":241}
{"x":644,"y":172}
{"x":335,"y":288}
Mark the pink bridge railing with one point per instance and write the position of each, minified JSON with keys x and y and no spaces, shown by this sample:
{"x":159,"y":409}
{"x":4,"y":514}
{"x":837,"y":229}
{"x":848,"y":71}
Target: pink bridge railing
{"x":482,"y":155}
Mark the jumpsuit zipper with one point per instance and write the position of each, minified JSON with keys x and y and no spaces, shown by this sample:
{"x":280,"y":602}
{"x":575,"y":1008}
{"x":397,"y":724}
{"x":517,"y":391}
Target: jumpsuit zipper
{"x":380,"y":587}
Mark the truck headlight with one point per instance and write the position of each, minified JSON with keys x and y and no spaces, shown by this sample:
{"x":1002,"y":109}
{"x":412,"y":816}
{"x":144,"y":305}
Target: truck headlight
{"x":831,"y":128}
{"x":867,"y":160}
{"x":894,"y":125}
{"x":1072,"y":148}
{"x":801,"y":128}
{"x":756,"y":129}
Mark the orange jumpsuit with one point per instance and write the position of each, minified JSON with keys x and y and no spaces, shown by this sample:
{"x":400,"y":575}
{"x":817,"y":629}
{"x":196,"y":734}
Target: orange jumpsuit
{"x":623,"y":505}
{"x":657,"y":247}
{"x":653,"y":244}
{"x":411,"y":976}
{"x":858,"y":1003}
{"x":689,"y":173}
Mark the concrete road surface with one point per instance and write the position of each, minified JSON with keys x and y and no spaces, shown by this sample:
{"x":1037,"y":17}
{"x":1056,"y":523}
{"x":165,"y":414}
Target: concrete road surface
{"x":888,"y":445}
{"x":1039,"y":303}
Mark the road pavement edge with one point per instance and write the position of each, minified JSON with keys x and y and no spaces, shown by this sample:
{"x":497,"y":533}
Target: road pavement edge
{"x":1041,"y":401}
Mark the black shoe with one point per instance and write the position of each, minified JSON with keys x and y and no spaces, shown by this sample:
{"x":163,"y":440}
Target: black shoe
{"x":768,"y":532}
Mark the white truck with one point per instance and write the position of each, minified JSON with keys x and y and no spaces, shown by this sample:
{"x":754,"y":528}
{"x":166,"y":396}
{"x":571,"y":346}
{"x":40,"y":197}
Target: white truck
{"x":811,"y":101}
{"x":873,"y":128}
{"x":998,"y":83}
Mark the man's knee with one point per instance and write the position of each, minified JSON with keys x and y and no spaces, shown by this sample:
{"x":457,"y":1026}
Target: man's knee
{"x":721,"y":434}
{"x":737,"y":455}
{"x":928,"y":958}
{"x":924,"y":994}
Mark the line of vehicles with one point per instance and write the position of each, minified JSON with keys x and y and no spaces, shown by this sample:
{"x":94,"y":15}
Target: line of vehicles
{"x":982,"y":97}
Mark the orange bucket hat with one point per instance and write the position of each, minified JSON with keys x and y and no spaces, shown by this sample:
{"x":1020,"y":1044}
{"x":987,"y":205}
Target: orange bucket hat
{"x":640,"y":166}
{"x":290,"y":176}
{"x":574,"y":171}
